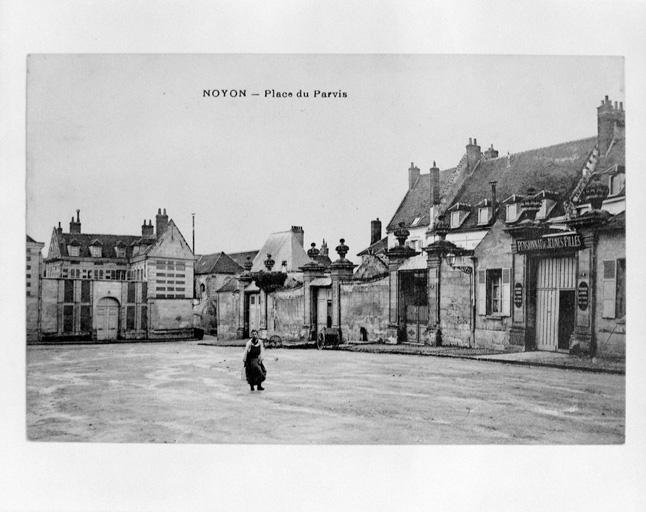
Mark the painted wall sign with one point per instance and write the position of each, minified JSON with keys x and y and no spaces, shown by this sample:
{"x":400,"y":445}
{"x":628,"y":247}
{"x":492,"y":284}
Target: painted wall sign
{"x":584,"y":296}
{"x":518,"y":295}
{"x":550,"y":243}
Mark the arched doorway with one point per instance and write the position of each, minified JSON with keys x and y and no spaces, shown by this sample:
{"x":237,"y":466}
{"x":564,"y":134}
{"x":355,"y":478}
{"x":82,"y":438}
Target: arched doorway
{"x":107,"y":319}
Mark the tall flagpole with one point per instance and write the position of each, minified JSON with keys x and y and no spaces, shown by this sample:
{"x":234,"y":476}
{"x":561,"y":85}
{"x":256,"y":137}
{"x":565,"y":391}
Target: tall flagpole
{"x":193,"y":232}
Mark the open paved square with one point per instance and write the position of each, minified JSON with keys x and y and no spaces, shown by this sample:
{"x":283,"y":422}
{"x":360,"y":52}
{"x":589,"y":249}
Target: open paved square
{"x":190,"y":393}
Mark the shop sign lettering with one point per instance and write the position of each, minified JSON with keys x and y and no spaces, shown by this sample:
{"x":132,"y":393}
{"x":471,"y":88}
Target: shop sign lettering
{"x":552,"y":243}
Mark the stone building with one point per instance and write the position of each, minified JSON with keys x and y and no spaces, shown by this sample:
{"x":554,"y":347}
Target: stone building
{"x":511,"y":250}
{"x":99,"y":287}
{"x":34,"y":260}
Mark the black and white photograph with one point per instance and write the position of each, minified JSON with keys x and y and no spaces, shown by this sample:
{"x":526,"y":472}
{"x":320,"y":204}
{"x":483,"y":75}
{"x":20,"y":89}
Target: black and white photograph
{"x":408,"y":249}
{"x":269,"y":276}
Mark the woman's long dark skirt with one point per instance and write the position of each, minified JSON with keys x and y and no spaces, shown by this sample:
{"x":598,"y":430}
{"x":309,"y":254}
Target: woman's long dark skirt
{"x":255,"y":371}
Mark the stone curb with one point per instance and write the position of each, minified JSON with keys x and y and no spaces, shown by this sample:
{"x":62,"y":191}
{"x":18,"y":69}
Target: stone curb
{"x":351,"y":348}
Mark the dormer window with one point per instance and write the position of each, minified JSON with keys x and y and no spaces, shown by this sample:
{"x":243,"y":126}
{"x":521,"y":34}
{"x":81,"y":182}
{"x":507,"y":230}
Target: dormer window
{"x":459,"y":213}
{"x":548,"y":201}
{"x":120,"y":250}
{"x":455,"y":220}
{"x":483,"y":215}
{"x":95,"y":249}
{"x":542,"y":213}
{"x":512,"y":212}
{"x":415,"y":222}
{"x":74,"y":248}
{"x":616,"y":184}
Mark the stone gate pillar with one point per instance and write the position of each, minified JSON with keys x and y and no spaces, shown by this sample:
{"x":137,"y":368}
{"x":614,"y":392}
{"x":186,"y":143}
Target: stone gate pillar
{"x":396,"y":257}
{"x":244,"y":280}
{"x":339,"y":270}
{"x":311,"y":271}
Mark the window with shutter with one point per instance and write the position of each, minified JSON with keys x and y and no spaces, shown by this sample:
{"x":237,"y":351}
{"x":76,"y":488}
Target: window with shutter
{"x":609,"y":288}
{"x":620,"y":310}
{"x":506,"y":290}
{"x":482,"y":292}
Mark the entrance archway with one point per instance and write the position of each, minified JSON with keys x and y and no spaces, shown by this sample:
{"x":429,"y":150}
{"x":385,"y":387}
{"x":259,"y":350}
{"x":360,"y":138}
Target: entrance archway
{"x":107,"y":319}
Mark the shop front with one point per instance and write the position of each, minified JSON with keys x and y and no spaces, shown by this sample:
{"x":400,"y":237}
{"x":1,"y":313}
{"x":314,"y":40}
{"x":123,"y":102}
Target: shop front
{"x":551,"y":291}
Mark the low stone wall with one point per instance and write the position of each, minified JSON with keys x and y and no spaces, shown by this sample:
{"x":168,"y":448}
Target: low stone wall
{"x":285,"y":314}
{"x":364,"y":309}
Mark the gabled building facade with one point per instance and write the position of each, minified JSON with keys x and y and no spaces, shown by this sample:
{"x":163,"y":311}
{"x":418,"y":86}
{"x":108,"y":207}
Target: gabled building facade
{"x":98,"y":287}
{"x":514,"y":246}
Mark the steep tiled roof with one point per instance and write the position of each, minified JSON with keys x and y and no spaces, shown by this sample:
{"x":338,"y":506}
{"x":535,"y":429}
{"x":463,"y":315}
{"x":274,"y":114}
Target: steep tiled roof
{"x":108,"y":243}
{"x":217,"y":263}
{"x":615,"y":156}
{"x":417,"y":201}
{"x":230,"y":285}
{"x":241,"y":257}
{"x":555,"y":169}
{"x":30,"y":240}
{"x":376,"y":248}
{"x":283,"y":246}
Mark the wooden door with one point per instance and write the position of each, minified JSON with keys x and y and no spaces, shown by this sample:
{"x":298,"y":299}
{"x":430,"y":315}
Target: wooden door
{"x":554,"y":276}
{"x":323,"y":309}
{"x":414,"y":304}
{"x":107,"y":319}
{"x":254,"y":312}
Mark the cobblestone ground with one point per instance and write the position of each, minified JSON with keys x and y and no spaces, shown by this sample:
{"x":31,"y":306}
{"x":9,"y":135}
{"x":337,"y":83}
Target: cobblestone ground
{"x":191,"y":393}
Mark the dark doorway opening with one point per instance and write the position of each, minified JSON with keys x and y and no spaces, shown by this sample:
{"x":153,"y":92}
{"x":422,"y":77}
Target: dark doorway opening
{"x":566,"y":318}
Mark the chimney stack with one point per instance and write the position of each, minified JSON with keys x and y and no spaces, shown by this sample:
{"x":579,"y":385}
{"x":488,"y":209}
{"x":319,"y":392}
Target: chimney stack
{"x":610,"y":124}
{"x":375,"y":231}
{"x":493,"y":200}
{"x":59,"y":229}
{"x":300,"y":235}
{"x":491,"y":153}
{"x":413,"y":174}
{"x":147,"y":229}
{"x":75,"y":226}
{"x":161,"y":221}
{"x":435,"y":185}
{"x":473,"y":154}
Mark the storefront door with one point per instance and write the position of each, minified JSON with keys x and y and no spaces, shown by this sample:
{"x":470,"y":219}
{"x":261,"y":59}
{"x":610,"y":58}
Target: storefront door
{"x":555,"y":303}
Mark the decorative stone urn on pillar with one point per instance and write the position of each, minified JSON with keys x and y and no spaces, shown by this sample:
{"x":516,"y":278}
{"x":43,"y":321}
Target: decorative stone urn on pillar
{"x":339,"y":270}
{"x":397,"y":255}
{"x":311,"y":270}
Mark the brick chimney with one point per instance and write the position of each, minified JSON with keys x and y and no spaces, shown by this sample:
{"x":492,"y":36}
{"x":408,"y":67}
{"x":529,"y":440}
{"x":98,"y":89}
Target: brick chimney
{"x":147,"y":229}
{"x":59,"y":229}
{"x":375,"y":231}
{"x":435,"y":184}
{"x":611,"y":122}
{"x":300,"y":234}
{"x":413,"y":174}
{"x":473,"y":153}
{"x":161,"y":221}
{"x":491,"y":153}
{"x":75,"y":226}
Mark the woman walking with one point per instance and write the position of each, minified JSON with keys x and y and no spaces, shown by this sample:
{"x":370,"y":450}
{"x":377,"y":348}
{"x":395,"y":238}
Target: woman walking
{"x":252,"y":359}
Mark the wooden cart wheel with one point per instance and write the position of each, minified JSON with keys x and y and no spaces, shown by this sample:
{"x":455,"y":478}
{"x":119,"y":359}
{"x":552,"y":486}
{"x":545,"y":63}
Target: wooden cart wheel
{"x":320,"y":341}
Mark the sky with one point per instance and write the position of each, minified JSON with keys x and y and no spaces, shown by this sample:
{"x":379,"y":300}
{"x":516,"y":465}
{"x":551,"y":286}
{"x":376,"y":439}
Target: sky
{"x":119,"y":136}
